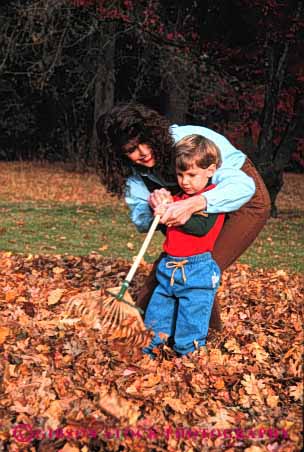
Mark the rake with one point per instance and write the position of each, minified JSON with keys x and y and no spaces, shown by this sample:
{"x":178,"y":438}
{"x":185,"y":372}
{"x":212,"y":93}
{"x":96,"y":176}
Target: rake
{"x":116,"y":310}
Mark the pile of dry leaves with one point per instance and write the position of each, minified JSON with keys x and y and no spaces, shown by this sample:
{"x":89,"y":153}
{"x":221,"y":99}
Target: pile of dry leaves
{"x":63,"y":387}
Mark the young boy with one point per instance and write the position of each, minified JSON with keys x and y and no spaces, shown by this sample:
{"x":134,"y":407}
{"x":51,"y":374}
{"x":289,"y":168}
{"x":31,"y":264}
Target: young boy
{"x":187,"y":275}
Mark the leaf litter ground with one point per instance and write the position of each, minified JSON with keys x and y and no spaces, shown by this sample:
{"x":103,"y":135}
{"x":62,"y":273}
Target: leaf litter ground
{"x":75,"y":391}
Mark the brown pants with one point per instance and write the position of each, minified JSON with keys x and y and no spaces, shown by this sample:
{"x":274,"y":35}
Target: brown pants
{"x":239,"y":231}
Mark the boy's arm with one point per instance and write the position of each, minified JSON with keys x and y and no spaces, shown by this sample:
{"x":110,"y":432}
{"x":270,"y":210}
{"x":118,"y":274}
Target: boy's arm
{"x":199,"y":224}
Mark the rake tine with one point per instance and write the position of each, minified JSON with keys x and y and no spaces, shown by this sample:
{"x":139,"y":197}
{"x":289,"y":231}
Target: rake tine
{"x":109,"y":315}
{"x":107,"y":301}
{"x":120,"y":316}
{"x":116,"y":315}
{"x":117,"y":307}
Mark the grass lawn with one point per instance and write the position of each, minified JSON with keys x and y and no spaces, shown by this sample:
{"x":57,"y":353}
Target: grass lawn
{"x":51,"y":210}
{"x":50,"y":228}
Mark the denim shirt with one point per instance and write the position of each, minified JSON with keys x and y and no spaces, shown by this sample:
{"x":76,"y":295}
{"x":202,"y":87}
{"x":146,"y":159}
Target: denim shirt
{"x":233,"y":187}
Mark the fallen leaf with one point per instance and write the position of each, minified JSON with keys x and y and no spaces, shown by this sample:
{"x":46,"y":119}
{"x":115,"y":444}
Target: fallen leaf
{"x":219,"y":384}
{"x":11,"y":295}
{"x":4,"y":333}
{"x":163,"y":336}
{"x":128,"y":372}
{"x":58,"y":270}
{"x":176,"y":405}
{"x":232,"y":346}
{"x":119,"y":407}
{"x":295,"y":391}
{"x":54,"y":414}
{"x":29,"y":309}
{"x":253,"y":387}
{"x":272,"y":401}
{"x":55,"y":296}
{"x":254,"y":449}
{"x":68,"y":448}
{"x":61,"y":371}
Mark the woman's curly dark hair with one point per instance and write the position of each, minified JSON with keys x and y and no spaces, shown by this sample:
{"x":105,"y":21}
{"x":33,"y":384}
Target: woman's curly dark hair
{"x":122,"y":124}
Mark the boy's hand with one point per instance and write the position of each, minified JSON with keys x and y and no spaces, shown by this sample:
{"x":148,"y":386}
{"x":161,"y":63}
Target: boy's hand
{"x":161,"y":196}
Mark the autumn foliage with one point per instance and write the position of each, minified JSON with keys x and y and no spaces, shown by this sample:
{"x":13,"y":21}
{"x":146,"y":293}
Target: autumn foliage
{"x":56,"y":373}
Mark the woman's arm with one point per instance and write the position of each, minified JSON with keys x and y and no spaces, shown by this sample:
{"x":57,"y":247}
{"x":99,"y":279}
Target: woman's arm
{"x":234,"y":188}
{"x":136,"y":198}
{"x":179,"y":212}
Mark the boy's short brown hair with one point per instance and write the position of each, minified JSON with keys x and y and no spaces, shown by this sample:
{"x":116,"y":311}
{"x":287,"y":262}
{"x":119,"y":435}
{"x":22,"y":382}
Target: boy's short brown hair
{"x":198,"y":149}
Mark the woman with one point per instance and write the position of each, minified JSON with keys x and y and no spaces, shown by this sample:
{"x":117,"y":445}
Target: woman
{"x":137,"y":146}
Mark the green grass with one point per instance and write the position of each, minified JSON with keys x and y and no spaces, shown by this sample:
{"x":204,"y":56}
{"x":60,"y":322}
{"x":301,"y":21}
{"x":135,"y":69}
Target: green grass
{"x":53,"y":228}
{"x":280,"y":244}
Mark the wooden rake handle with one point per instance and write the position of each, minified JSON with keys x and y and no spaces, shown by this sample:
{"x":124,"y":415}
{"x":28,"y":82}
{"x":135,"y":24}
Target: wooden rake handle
{"x":143,"y":249}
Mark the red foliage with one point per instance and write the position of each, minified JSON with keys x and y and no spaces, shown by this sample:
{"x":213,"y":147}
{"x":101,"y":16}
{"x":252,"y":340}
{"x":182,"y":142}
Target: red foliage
{"x":275,"y":19}
{"x":146,"y":17}
{"x":83,"y":2}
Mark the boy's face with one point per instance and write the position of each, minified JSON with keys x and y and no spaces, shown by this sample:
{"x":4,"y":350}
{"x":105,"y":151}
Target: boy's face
{"x":194,"y":178}
{"x":139,"y":153}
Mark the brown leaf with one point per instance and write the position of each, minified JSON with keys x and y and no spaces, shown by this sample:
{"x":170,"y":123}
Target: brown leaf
{"x":272,"y":401}
{"x":259,"y":352}
{"x":119,"y":407}
{"x":4,"y":333}
{"x":254,"y":449}
{"x":57,"y":270}
{"x":59,"y":371}
{"x":29,"y":309}
{"x":219,"y":384}
{"x":297,"y":391}
{"x":232,"y":346}
{"x":55,"y":296}
{"x":176,"y":405}
{"x":253,"y":387}
{"x":54,"y":414}
{"x":11,"y":295}
{"x":69,"y":448}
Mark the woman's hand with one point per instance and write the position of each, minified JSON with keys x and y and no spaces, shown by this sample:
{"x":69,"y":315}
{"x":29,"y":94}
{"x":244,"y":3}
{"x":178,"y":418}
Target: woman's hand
{"x":161,"y":196}
{"x":160,"y":209}
{"x":179,"y":212}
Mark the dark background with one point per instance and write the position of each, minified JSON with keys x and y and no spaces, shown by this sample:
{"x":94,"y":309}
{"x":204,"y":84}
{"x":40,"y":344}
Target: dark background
{"x":235,"y":66}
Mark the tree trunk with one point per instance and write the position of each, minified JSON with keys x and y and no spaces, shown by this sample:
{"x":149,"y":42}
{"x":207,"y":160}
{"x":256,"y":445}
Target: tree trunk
{"x":105,"y":81}
{"x":175,"y":85}
{"x":272,"y":159}
{"x":265,"y":156}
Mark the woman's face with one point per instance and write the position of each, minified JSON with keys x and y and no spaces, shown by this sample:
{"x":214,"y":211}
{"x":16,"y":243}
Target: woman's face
{"x":139,"y":153}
